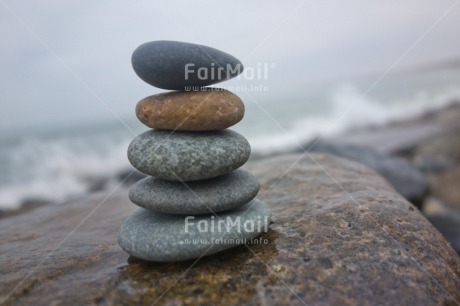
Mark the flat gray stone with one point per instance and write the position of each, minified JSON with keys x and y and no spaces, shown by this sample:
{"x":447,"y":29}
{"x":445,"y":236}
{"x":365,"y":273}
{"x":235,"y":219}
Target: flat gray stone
{"x":188,"y":156}
{"x":217,"y":194}
{"x":162,"y":237}
{"x":177,"y":65}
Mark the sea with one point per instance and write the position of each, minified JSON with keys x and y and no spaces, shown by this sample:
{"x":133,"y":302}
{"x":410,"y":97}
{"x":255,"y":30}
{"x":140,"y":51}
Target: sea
{"x":57,"y":164}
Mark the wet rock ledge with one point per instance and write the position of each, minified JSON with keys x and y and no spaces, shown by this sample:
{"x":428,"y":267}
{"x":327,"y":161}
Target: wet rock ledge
{"x":341,"y":236}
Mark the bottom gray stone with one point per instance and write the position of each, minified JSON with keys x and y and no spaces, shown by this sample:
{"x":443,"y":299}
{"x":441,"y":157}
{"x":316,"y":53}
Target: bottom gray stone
{"x":163,"y":237}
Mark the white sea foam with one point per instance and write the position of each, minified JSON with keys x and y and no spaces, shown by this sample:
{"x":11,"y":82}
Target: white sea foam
{"x":56,"y":170}
{"x":352,"y":109}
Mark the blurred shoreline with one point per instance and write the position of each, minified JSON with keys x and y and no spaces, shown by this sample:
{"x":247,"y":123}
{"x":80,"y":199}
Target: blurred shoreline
{"x":400,"y":136}
{"x":395,"y":138}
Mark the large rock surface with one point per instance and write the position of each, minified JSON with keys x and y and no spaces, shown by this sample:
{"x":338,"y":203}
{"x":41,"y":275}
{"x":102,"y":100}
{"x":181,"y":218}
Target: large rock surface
{"x":341,"y":236}
{"x":404,"y":177}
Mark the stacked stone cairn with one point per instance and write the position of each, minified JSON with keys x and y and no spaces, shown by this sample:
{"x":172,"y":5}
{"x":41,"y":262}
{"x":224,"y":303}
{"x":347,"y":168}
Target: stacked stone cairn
{"x":195,"y":202}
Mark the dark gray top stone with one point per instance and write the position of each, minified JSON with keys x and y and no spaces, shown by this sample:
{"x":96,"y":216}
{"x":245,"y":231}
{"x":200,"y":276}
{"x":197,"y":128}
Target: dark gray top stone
{"x":217,"y":194}
{"x":162,"y":237}
{"x":163,"y":64}
{"x":188,"y":156}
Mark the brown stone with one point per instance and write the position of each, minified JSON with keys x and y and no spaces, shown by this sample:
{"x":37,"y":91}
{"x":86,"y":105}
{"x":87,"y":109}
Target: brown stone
{"x":342,"y":236}
{"x":211,"y":109}
{"x":445,"y":186}
{"x":445,"y":145}
{"x":445,"y":218}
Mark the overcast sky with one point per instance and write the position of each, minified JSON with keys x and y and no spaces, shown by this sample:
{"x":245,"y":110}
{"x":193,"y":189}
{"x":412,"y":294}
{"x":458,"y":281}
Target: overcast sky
{"x":66,"y":62}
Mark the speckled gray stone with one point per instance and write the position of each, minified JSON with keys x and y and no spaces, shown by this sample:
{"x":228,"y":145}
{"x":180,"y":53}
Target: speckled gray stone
{"x":188,"y":156}
{"x":162,"y":237}
{"x":163,"y":64}
{"x":217,"y":194}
